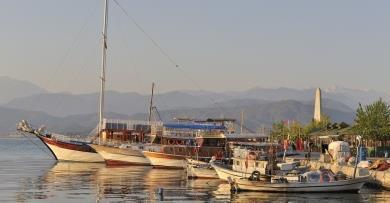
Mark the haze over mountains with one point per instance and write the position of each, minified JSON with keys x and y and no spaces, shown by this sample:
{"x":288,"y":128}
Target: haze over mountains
{"x":76,"y":113}
{"x":12,"y":88}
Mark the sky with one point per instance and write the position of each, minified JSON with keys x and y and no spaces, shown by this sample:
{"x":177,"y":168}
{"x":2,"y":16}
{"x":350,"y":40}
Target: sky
{"x":219,"y":45}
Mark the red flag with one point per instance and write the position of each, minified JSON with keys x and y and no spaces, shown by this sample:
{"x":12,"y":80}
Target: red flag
{"x":285,"y":144}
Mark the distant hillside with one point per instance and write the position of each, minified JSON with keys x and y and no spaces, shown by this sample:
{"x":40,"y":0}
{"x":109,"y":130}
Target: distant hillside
{"x":76,"y":124}
{"x":259,"y":113}
{"x":65,"y":104}
{"x":350,"y":97}
{"x":76,"y":113}
{"x":61,"y":104}
{"x":12,"y":88}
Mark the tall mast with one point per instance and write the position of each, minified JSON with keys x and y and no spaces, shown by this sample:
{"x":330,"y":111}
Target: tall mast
{"x":104,"y":62}
{"x":151,"y":104}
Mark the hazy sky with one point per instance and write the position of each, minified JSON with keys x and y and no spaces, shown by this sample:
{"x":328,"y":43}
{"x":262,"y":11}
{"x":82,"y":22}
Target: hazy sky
{"x":220,"y":45}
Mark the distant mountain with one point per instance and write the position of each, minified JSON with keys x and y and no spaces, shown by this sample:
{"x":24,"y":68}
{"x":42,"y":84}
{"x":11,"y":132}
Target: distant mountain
{"x":65,"y":104}
{"x":350,"y":97}
{"x":260,"y":113}
{"x":75,"y":124}
{"x":257,"y":113}
{"x":12,"y":88}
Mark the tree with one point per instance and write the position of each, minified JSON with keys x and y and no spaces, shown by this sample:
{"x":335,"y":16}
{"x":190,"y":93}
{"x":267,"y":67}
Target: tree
{"x":314,"y":126}
{"x":296,"y":130}
{"x":373,"y":121}
{"x":279,"y":130}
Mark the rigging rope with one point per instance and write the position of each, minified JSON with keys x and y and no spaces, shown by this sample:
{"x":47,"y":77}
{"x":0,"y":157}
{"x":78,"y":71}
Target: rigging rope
{"x":74,"y":44}
{"x":172,"y":61}
{"x":28,"y":138}
{"x":147,"y":35}
{"x":162,"y":51}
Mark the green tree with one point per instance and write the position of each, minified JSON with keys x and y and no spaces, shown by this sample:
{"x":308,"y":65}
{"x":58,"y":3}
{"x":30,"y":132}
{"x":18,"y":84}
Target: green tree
{"x":279,"y":130}
{"x":296,"y":130}
{"x":314,"y":126}
{"x":373,"y":121}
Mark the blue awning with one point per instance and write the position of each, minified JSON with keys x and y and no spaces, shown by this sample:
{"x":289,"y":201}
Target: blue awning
{"x":195,"y":126}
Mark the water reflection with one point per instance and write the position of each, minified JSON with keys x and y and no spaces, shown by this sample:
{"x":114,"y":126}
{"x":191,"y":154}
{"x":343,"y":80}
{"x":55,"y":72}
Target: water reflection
{"x":81,"y":182}
{"x":30,"y":175}
{"x":121,"y":183}
{"x":297,"y":197}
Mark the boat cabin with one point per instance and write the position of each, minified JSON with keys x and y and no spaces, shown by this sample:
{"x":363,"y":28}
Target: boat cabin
{"x":190,"y":138}
{"x":116,"y":131}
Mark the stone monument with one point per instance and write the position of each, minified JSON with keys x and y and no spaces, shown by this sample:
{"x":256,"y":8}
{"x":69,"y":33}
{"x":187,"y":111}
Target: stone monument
{"x":317,"y":106}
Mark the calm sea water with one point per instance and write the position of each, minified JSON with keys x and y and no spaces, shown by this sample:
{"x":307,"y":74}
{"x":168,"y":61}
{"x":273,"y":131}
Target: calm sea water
{"x":28,"y":173}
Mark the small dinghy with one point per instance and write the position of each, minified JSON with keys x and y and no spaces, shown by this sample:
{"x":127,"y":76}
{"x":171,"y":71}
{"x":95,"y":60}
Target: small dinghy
{"x":313,"y":181}
{"x":199,"y":169}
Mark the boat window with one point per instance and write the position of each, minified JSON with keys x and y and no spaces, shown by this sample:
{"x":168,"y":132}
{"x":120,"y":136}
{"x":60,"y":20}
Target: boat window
{"x":257,"y":164}
{"x":238,"y":163}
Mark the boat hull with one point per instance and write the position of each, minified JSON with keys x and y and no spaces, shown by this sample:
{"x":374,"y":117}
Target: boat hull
{"x":162,"y":160}
{"x":351,"y":185}
{"x":224,"y":173}
{"x":65,"y":151}
{"x":116,"y":156}
{"x":194,"y":172}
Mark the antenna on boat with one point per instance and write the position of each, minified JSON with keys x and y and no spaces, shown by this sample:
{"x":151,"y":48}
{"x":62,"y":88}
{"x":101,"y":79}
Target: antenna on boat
{"x":242,"y":121}
{"x":104,"y":63}
{"x":151,"y":104}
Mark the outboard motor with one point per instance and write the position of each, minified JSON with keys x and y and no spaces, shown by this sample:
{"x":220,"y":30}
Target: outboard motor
{"x":255,"y":176}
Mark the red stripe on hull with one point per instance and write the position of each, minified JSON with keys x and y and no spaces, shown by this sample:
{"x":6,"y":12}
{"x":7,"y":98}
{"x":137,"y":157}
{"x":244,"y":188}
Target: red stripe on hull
{"x":123,"y":163}
{"x":200,"y":177}
{"x":168,"y":167}
{"x":67,"y":145}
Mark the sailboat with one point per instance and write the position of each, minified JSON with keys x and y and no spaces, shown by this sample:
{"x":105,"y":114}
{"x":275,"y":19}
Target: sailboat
{"x":64,"y":148}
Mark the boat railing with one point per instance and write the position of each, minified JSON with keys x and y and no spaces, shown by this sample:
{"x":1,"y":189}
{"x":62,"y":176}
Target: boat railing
{"x":114,"y":143}
{"x":127,"y":124}
{"x":70,"y":138}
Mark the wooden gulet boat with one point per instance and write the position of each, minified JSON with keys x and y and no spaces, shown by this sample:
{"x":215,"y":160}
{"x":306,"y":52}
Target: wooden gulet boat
{"x":172,"y":143}
{"x":121,"y":142}
{"x":63,"y":148}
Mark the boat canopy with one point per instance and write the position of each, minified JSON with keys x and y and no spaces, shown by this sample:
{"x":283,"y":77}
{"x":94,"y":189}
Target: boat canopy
{"x":194,"y":126}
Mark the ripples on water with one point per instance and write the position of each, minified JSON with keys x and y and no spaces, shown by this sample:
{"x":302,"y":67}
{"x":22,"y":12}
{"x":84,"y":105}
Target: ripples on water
{"x":29,"y":174}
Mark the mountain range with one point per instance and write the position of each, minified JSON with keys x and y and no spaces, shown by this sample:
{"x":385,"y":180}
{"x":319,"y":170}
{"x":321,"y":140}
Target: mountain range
{"x":76,"y":113}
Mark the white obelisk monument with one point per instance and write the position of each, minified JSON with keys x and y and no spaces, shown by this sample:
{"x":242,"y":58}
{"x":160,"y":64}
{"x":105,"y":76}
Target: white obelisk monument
{"x":317,"y":106}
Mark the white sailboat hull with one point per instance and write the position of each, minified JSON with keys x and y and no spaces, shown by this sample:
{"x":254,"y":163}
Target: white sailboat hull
{"x":64,"y":154}
{"x":161,"y":160}
{"x":116,"y":156}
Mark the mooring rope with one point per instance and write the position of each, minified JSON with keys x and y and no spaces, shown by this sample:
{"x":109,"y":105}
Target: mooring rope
{"x":28,"y":138}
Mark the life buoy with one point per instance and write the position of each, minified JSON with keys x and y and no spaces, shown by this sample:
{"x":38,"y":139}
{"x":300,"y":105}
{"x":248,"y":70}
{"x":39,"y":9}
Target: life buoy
{"x":250,"y":156}
{"x":326,"y":176}
{"x":180,"y":142}
{"x":219,"y":154}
